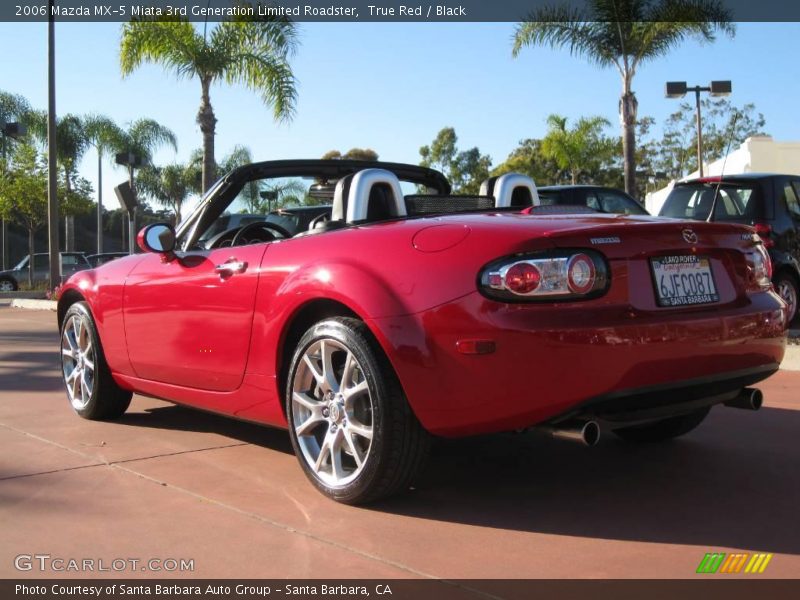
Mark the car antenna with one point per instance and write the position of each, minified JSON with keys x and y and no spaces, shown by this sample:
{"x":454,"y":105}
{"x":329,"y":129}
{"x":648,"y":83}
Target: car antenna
{"x":722,"y":172}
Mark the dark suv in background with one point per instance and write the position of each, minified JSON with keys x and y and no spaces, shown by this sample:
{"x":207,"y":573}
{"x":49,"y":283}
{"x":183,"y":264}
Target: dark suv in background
{"x":767,"y":201}
{"x":602,"y":199}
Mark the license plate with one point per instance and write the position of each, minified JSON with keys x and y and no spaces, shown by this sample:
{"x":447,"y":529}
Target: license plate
{"x":684,"y":280}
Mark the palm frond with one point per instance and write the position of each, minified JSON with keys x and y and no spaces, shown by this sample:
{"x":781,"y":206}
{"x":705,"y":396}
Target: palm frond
{"x":173,"y":43}
{"x":145,"y":136}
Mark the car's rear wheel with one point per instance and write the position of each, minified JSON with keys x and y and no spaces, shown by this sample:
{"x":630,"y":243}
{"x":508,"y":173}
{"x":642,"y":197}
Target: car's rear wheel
{"x":352,"y":430}
{"x":665,"y":429}
{"x":7,"y":284}
{"x":91,"y":389}
{"x":786,"y":286}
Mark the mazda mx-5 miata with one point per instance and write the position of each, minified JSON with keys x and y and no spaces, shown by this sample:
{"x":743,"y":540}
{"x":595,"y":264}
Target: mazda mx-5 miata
{"x":404,"y":312}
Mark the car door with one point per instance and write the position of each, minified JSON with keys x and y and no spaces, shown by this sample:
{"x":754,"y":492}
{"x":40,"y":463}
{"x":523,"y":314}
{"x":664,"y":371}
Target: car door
{"x":188,"y":320}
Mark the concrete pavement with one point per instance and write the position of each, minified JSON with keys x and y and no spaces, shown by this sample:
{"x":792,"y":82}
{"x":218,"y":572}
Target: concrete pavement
{"x":167,"y":482}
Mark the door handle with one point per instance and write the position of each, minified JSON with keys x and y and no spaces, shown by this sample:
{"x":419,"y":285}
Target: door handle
{"x":230,"y":267}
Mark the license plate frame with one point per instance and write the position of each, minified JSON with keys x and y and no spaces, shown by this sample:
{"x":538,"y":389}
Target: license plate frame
{"x":676,"y":274}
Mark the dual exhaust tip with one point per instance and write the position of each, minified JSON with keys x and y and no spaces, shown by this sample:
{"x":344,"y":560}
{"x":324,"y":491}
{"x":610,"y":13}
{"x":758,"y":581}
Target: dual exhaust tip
{"x":587,"y":432}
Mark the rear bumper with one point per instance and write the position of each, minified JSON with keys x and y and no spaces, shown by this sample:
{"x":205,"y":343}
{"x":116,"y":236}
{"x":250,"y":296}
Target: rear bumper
{"x":560,"y":360}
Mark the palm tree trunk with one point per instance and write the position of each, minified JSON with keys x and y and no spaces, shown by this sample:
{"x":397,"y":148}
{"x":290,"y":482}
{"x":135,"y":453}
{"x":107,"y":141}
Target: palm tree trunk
{"x":628,"y":107}
{"x":99,"y":201}
{"x":208,"y":123}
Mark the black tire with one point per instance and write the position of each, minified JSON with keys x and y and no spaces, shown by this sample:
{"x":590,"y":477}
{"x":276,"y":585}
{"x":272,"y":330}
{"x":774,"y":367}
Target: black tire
{"x":8,"y":282}
{"x":787,"y":288}
{"x":398,"y":444}
{"x":100,"y":397}
{"x":665,"y":429}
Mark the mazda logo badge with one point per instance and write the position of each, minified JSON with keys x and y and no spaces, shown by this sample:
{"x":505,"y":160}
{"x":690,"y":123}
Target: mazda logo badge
{"x":689,"y":236}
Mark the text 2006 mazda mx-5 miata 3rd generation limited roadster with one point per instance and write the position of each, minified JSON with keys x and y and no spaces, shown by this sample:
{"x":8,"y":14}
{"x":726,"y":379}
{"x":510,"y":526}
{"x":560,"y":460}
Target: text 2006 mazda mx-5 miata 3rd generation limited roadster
{"x":405,"y":312}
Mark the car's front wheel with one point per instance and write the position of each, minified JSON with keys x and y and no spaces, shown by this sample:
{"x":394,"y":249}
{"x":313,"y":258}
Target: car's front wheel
{"x":786,"y":286}
{"x":352,"y":430}
{"x":91,"y":389}
{"x":7,"y":284}
{"x":664,"y":429}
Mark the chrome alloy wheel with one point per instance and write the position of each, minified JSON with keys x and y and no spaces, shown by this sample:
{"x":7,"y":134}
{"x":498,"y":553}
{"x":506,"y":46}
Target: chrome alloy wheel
{"x":332,"y":412}
{"x":6,"y":285}
{"x":78,"y":361}
{"x":788,"y":294}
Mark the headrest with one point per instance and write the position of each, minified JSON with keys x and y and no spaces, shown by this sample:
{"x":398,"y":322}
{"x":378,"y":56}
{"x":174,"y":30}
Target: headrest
{"x":511,"y":190}
{"x":340,"y":195}
{"x":374,"y":195}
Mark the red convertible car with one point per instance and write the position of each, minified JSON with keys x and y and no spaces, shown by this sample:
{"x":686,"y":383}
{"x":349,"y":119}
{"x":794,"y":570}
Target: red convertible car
{"x":406,"y":312}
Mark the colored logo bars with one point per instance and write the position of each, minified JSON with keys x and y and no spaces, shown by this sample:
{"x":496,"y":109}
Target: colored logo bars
{"x":719,"y":562}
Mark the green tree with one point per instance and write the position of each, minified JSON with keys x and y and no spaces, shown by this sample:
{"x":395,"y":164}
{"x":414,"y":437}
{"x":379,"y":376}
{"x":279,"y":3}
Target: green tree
{"x":578,"y":150}
{"x":168,"y":186}
{"x":529,"y":159}
{"x":352,"y":154}
{"x":465,"y":169}
{"x":723,"y":123}
{"x":253,"y":53}
{"x":144,"y":137}
{"x":23,"y":194}
{"x":624,"y":34}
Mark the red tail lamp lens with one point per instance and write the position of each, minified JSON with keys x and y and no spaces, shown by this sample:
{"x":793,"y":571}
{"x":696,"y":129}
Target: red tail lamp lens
{"x":580,"y":274}
{"x":522,"y":278}
{"x":764,"y":231}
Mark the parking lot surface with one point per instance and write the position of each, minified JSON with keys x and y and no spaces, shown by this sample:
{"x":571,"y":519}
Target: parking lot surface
{"x":166,"y":482}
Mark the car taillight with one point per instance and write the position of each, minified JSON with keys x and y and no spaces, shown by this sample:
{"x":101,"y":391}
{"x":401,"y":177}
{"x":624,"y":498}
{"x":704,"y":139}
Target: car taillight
{"x":552,"y":275}
{"x":760,"y":265}
{"x":580,"y":274}
{"x":764,"y":231}
{"x":522,"y":278}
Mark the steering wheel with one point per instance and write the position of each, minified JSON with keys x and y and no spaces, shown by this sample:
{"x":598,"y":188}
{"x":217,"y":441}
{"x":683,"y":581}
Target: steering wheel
{"x":240,"y":235}
{"x":317,"y":220}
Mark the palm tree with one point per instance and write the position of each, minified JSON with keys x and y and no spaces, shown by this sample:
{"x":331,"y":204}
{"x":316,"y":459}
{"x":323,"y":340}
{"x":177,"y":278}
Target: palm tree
{"x":575,"y":150}
{"x":106,"y":137}
{"x":253,"y":53}
{"x":71,"y":144}
{"x":624,"y":34}
{"x":169,"y":186}
{"x":143,"y":138}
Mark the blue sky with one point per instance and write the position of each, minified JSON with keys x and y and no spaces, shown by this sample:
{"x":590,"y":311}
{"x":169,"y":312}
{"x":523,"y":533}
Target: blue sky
{"x":392,"y":86}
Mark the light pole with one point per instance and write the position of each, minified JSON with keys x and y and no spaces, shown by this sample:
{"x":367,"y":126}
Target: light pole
{"x":678,"y":89}
{"x":14,"y":131}
{"x":52,"y":181}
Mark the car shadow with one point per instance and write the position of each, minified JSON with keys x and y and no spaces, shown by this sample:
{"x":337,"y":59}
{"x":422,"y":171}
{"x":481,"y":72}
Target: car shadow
{"x":179,"y":418}
{"x":36,"y":367}
{"x":731,"y":483}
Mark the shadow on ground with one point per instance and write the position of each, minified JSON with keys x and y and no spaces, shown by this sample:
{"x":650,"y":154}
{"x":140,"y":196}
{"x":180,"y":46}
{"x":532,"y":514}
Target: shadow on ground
{"x":180,"y":418}
{"x":34,"y":370}
{"x":734,"y":482}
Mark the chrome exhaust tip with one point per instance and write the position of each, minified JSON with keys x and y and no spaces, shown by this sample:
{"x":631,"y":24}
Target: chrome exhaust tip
{"x":585,"y":432}
{"x":748,"y":399}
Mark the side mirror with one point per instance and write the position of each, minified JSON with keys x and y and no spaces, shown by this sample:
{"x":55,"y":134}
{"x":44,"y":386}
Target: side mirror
{"x":158,"y":238}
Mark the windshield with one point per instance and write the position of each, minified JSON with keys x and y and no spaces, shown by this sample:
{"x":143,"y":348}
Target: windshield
{"x":736,"y":202}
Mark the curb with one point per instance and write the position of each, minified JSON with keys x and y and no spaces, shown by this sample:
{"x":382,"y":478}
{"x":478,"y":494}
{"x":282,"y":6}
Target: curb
{"x":18,"y":294}
{"x":32,"y":304}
